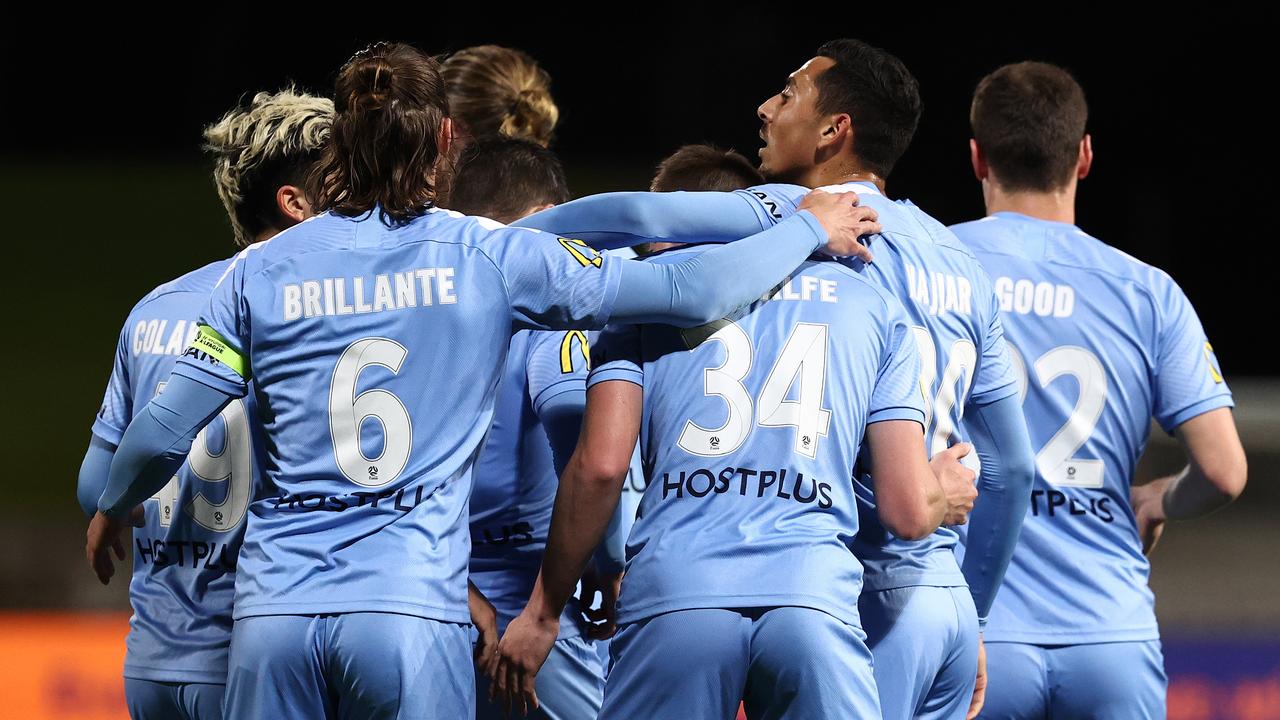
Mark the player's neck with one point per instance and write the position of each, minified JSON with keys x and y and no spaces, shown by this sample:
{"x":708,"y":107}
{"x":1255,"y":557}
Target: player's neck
{"x":1055,"y":206}
{"x":838,"y":172}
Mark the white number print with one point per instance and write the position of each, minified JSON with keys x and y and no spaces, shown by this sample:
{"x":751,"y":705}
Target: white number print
{"x":804,"y":356}
{"x":962,"y":358}
{"x":233,"y":466}
{"x":348,"y":411}
{"x":1055,"y":461}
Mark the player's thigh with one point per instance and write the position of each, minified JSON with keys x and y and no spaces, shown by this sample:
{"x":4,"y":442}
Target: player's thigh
{"x":683,"y":665}
{"x":275,"y":668}
{"x":1120,"y":681}
{"x":151,"y":700}
{"x":570,"y":685}
{"x":1017,"y":682}
{"x":386,"y":665}
{"x":952,"y":690}
{"x":806,"y":664}
{"x":913,"y":632}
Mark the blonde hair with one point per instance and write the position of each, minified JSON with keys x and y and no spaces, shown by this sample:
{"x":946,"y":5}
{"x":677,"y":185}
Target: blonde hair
{"x":498,"y":91}
{"x":272,"y":141}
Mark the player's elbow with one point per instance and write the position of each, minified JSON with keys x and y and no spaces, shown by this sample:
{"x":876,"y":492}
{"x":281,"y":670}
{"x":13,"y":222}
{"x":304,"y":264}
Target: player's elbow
{"x":1229,"y":474}
{"x":1020,"y":473}
{"x":913,"y":520}
{"x":602,"y":470}
{"x":88,"y":498}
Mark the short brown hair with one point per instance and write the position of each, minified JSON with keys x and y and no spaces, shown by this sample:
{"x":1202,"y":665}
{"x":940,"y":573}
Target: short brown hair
{"x":705,"y":167}
{"x":390,"y":102}
{"x":501,"y":178}
{"x":498,"y":91}
{"x":1029,"y":119}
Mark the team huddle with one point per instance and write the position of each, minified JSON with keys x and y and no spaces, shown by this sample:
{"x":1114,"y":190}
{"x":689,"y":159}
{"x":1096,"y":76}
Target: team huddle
{"x":440,"y":442}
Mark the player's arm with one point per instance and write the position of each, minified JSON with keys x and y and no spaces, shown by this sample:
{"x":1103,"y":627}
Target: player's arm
{"x":999,"y":434}
{"x":549,"y":290}
{"x":1214,"y":477}
{"x":623,"y":219}
{"x":909,"y":499}
{"x":108,"y":427}
{"x":151,"y":451}
{"x":1193,"y":403}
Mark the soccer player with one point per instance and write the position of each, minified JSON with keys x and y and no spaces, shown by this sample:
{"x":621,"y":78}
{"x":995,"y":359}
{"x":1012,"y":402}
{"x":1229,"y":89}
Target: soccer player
{"x":375,"y":334}
{"x":536,"y":420}
{"x":846,"y":117}
{"x":1103,"y":343}
{"x":186,"y":546}
{"x":740,"y":575}
{"x":496,"y":91}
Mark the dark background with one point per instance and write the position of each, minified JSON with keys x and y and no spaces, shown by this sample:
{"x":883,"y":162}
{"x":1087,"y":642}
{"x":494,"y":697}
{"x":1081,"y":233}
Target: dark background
{"x":106,"y":193}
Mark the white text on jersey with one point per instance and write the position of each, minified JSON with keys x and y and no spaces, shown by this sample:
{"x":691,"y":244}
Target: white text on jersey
{"x":937,"y":293}
{"x":358,"y":295}
{"x":1026,"y":297}
{"x":149,"y":337}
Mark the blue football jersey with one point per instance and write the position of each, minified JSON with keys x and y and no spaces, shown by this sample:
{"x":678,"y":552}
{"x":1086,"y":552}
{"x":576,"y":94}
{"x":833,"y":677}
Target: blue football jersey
{"x":751,"y":428}
{"x":515,"y":477}
{"x":955,"y":320}
{"x":376,"y":353}
{"x":1102,"y":344}
{"x":184,"y":558}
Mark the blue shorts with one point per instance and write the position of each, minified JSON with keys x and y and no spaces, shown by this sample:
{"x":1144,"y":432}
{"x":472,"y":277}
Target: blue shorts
{"x":570,"y":685}
{"x":350,"y":665}
{"x":783,"y":662}
{"x":925,"y":644}
{"x":1098,"y":680}
{"x":152,"y":700}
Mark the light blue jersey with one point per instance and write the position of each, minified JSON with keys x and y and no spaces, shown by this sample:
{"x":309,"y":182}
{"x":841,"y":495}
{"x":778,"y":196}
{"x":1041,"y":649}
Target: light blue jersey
{"x":376,"y":354}
{"x":184,"y":558}
{"x":956,"y":322}
{"x":1103,"y":343}
{"x":751,"y":428}
{"x":515,"y":476}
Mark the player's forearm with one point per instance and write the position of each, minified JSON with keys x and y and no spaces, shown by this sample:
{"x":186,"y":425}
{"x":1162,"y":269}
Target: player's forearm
{"x":585,"y":503}
{"x":94,"y":470}
{"x":712,"y":284}
{"x":157,"y":441}
{"x":999,"y":434}
{"x":1190,"y":494}
{"x":613,"y":220}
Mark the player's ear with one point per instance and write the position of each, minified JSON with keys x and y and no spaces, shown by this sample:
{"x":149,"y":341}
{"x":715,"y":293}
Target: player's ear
{"x":978,"y":160}
{"x":293,"y":203}
{"x":837,"y":129}
{"x":444,"y":137}
{"x":1085,"y":163}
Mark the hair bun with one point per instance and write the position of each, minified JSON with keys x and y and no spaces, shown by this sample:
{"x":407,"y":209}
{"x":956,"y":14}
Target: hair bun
{"x":372,"y":80}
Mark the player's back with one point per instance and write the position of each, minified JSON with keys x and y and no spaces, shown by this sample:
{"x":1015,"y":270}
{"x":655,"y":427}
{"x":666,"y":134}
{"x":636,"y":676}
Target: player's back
{"x":750,"y":432}
{"x":376,"y":351}
{"x":948,"y":299}
{"x":515,"y":477}
{"x":1101,"y":344}
{"x":184,"y":557}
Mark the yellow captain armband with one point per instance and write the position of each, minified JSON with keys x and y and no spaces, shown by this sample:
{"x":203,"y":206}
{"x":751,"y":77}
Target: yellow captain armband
{"x":566,"y":350}
{"x":581,"y":252}
{"x":209,"y":342}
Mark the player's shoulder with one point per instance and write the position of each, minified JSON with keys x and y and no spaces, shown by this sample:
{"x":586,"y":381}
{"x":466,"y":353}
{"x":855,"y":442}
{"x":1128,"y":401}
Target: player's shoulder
{"x":198,"y":283}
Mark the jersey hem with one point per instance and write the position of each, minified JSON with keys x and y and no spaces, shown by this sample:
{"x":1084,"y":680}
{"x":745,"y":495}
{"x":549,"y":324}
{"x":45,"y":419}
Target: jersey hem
{"x":429,"y":612}
{"x":846,"y":615}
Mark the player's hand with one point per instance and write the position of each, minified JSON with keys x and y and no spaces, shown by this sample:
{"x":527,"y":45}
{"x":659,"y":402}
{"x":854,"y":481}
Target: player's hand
{"x":979,"y":688}
{"x":602,"y":622}
{"x":102,"y":539}
{"x":1148,"y":510}
{"x":485,"y":618}
{"x":957,"y":483}
{"x":521,"y":653}
{"x":844,"y":220}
